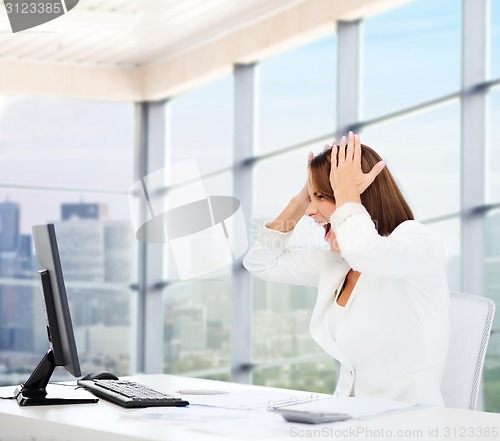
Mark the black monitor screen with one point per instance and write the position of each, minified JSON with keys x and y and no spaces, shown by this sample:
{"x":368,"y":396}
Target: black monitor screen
{"x":59,"y":325}
{"x":62,"y":350}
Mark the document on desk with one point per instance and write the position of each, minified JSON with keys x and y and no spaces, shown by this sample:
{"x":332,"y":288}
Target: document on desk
{"x":356,"y":407}
{"x":217,"y":422}
{"x":251,"y":399}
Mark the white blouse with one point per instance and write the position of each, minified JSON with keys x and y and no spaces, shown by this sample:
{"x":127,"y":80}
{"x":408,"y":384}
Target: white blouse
{"x":391,"y":338}
{"x":336,"y":311}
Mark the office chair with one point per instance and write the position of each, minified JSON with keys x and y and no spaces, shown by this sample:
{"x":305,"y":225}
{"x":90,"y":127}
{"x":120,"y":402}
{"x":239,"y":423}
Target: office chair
{"x":471,"y":318}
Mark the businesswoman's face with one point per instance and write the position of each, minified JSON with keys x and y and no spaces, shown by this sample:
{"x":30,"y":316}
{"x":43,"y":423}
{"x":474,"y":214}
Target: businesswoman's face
{"x":320,"y":209}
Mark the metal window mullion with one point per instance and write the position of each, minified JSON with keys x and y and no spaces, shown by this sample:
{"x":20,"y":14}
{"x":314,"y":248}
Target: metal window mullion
{"x":474,"y":21}
{"x":348,"y":81}
{"x":348,"y":75}
{"x":140,"y":161}
{"x":150,"y":156}
{"x":244,"y":136}
{"x":473,"y":116}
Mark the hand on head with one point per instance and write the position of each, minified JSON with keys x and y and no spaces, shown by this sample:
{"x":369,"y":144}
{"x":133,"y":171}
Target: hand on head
{"x":302,"y":197}
{"x":347,"y":179}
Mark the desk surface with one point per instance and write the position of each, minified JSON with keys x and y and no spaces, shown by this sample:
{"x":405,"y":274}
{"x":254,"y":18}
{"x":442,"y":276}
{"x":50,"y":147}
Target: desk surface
{"x":105,"y":420}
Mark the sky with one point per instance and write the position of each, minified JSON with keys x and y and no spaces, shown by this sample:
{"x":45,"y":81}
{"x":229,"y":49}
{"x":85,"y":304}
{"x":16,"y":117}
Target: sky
{"x":65,"y":144}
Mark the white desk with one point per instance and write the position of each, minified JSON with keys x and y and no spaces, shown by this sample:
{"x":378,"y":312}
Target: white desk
{"x":106,"y":421}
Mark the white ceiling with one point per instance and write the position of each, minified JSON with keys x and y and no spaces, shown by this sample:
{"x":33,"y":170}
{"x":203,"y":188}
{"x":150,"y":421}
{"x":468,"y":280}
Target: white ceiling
{"x":131,"y":33}
{"x":135,"y":50}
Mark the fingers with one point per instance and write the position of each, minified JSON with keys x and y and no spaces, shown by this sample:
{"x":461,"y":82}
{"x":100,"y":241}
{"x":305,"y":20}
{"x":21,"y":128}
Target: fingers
{"x":334,"y":156}
{"x":371,"y":175}
{"x":357,"y":149}
{"x":341,"y":156}
{"x":310,"y":157}
{"x":376,"y":170}
{"x":328,"y":146}
{"x":350,"y":147}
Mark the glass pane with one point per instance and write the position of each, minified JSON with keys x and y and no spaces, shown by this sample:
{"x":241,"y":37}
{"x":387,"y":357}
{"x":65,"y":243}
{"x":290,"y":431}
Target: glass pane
{"x":491,"y":373}
{"x":102,"y":321}
{"x":280,"y":321}
{"x":297,"y":95}
{"x":411,"y":55}
{"x":422,"y":151}
{"x":493,"y":148}
{"x":318,"y":376}
{"x":66,"y":143}
{"x":79,"y":183}
{"x":275,"y":182}
{"x":450,"y":234}
{"x":197,"y":326}
{"x":201,"y":125}
{"x":494,"y":59}
{"x":218,"y":185}
{"x":198,"y":312}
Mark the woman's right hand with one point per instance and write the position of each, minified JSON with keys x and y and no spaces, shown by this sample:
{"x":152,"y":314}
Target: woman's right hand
{"x":302,"y":198}
{"x":296,"y":208}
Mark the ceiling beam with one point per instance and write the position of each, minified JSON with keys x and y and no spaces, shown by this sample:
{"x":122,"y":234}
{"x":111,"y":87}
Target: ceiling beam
{"x":73,"y":81}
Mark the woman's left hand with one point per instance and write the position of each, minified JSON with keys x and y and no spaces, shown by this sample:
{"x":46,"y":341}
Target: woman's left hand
{"x":346,"y":176}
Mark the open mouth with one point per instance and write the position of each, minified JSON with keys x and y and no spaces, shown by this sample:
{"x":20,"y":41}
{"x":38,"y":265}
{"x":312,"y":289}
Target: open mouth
{"x":327,"y":228}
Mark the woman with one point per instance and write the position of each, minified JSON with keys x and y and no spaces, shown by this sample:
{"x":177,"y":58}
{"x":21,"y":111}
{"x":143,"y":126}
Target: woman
{"x":382,"y":302}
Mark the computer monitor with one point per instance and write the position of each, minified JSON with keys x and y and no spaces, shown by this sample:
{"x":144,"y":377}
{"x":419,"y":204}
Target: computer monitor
{"x":62,"y":347}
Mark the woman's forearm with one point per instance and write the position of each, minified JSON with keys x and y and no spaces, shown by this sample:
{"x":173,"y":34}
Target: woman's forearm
{"x":289,"y":217}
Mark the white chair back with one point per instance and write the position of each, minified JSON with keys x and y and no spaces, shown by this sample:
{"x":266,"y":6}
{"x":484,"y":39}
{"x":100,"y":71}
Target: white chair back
{"x":471,"y":318}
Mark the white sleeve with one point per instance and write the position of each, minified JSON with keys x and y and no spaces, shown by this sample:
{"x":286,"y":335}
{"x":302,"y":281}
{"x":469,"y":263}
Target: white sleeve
{"x":271,"y":260}
{"x":412,"y":251}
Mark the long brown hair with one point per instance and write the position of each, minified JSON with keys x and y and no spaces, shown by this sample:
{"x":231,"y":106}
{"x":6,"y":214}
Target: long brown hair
{"x":382,"y":199}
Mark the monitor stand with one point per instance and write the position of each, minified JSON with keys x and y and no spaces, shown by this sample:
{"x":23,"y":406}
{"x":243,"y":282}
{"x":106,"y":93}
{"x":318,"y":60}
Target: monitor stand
{"x":33,"y":392}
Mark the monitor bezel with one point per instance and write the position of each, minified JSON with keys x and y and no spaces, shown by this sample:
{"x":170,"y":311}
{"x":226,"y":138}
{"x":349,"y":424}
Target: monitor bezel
{"x":59,"y":323}
{"x":62,"y":345}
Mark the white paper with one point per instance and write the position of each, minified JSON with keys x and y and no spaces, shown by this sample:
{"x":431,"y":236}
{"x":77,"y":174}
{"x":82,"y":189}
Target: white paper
{"x":249,"y":399}
{"x":357,"y":407}
{"x":214,"y":421}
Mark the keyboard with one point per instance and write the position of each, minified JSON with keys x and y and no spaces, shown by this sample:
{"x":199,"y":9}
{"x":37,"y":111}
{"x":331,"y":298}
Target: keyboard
{"x":130,"y":394}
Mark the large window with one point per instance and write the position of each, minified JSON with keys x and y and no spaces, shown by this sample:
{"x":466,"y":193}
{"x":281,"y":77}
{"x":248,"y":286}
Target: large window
{"x":411,"y":54}
{"x":197,"y":311}
{"x":492,"y":290}
{"x":492,"y":218}
{"x":197,"y":327}
{"x":493,"y":148}
{"x":494,"y":61}
{"x":201,"y":126}
{"x":67,"y":162}
{"x":422,"y":150}
{"x":296,"y":97}
{"x":449,"y":232}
